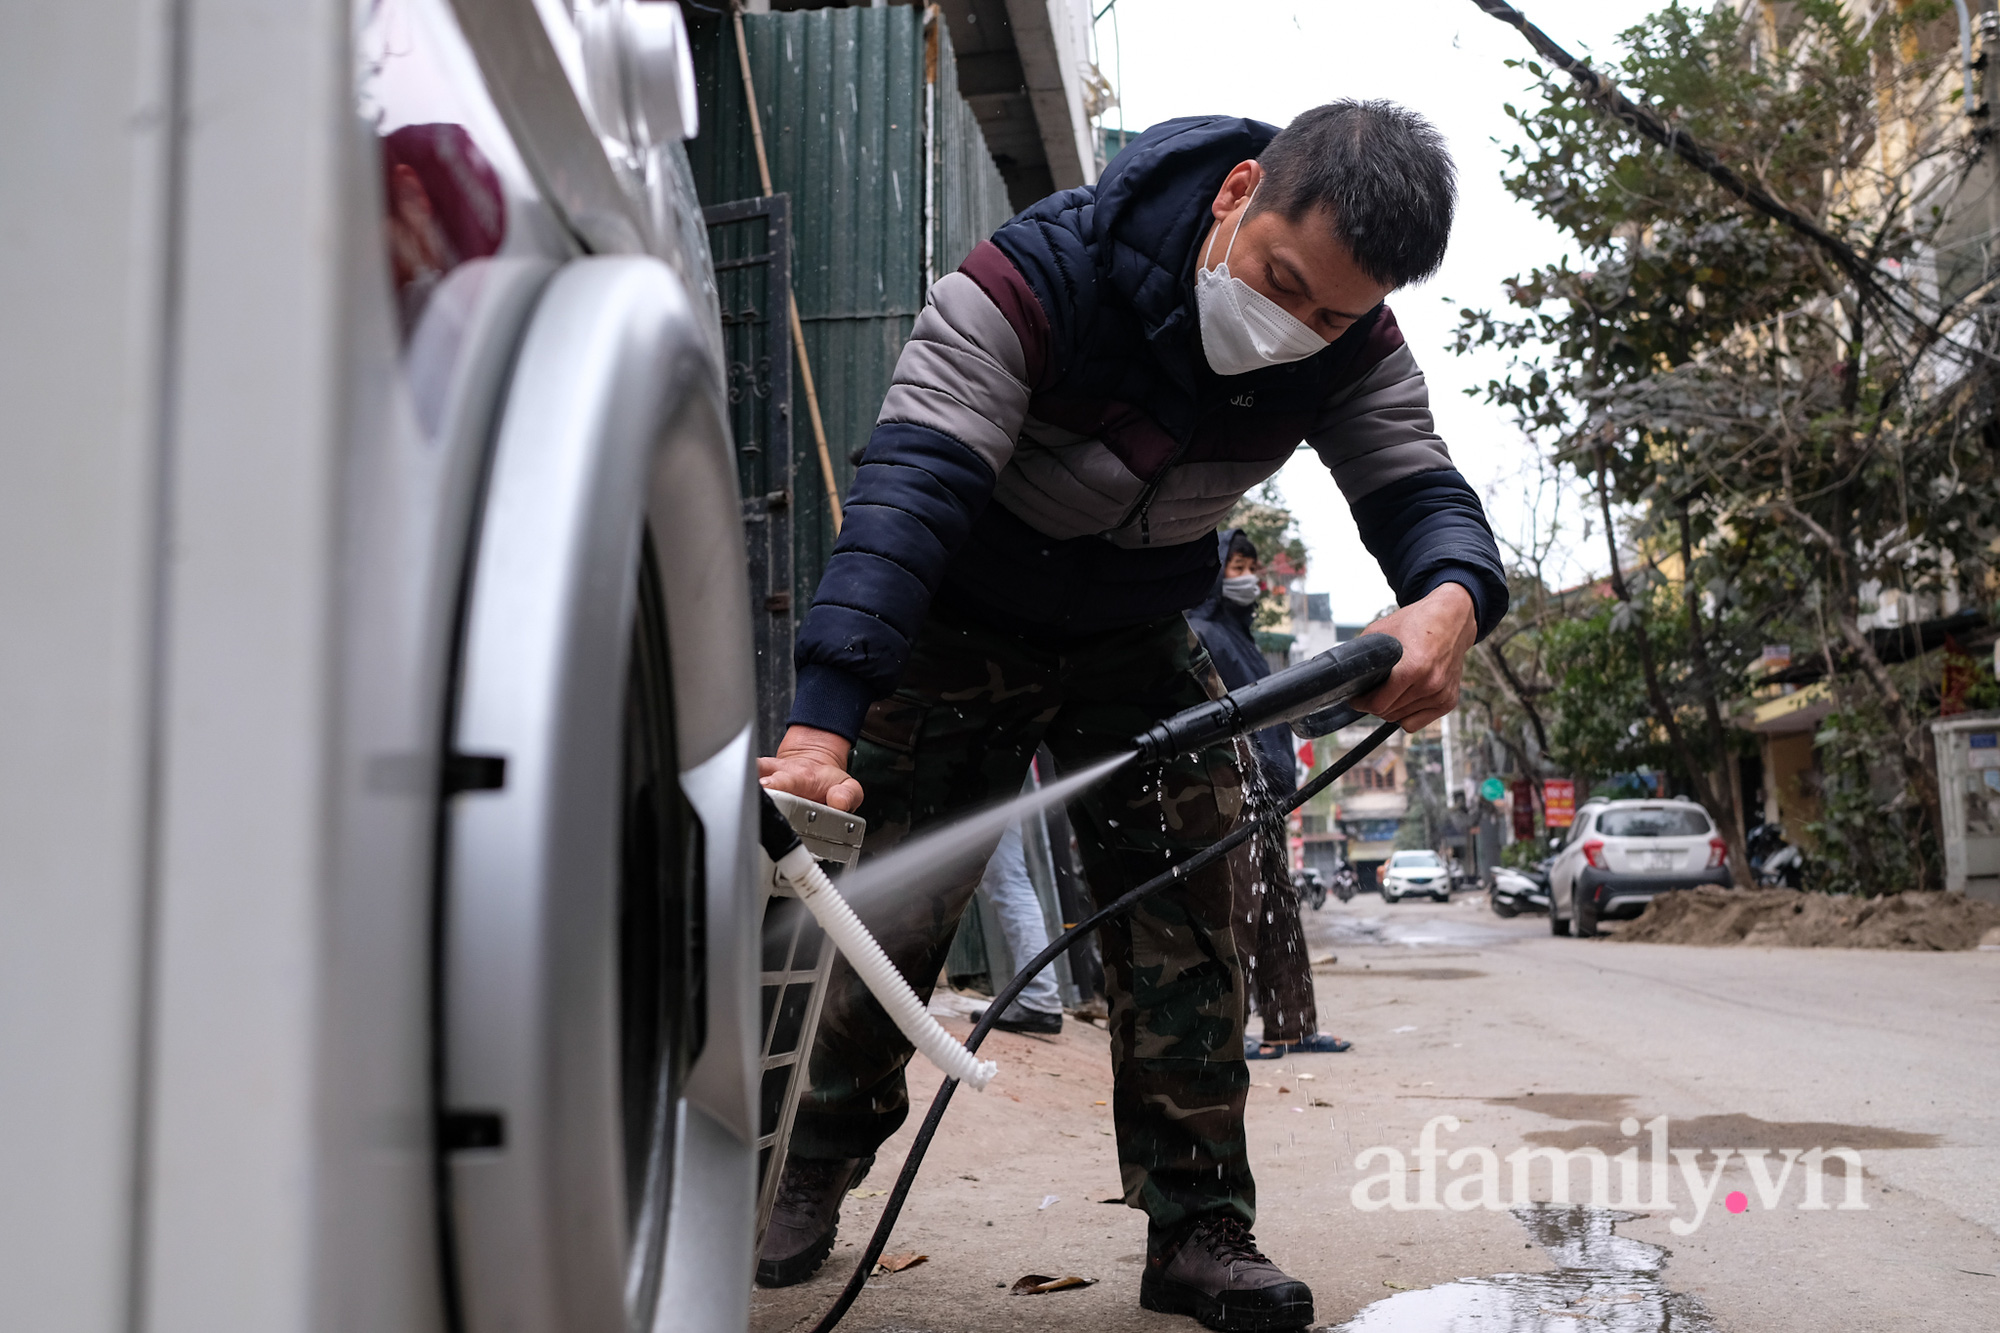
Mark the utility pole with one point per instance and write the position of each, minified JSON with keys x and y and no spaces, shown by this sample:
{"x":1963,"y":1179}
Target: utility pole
{"x":1445,"y":725}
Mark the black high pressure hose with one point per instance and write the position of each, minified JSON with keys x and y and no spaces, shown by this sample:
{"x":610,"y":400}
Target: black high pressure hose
{"x":893,"y":1207}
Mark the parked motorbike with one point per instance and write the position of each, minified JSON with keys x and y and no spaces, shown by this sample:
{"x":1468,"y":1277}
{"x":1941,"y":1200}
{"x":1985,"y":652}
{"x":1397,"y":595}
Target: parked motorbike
{"x":1774,"y":862}
{"x":1309,"y":888}
{"x":1512,"y":892}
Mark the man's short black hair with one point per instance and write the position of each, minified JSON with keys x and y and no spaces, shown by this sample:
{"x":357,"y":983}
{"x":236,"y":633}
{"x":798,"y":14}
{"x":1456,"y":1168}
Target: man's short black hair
{"x":1240,"y":544}
{"x":1381,"y":172}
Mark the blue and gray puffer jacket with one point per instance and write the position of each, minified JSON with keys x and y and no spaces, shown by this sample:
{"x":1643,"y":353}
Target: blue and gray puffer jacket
{"x":1054,"y":454}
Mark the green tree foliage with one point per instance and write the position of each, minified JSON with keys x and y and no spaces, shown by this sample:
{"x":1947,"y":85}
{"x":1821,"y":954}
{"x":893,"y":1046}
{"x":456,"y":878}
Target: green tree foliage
{"x":1605,"y":727}
{"x":1576,"y":659}
{"x":1779,"y":441}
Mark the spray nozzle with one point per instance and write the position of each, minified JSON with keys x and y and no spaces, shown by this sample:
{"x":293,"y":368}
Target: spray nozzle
{"x":1315,"y":686}
{"x":774,"y":831}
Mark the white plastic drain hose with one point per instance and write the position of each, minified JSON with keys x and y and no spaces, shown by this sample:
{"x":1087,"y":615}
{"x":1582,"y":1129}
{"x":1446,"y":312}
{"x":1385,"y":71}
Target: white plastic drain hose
{"x":884,"y":982}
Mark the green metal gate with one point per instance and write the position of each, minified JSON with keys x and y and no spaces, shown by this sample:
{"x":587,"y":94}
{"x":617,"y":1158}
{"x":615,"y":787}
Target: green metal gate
{"x":890,"y":184}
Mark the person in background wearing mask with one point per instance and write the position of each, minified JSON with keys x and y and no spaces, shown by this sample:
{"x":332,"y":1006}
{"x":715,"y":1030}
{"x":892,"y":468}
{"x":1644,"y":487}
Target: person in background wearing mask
{"x":1078,"y":407}
{"x":1279,"y":969}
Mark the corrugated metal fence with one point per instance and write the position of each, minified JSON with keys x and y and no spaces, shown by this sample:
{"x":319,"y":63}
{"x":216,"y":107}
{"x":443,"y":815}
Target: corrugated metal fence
{"x":971,"y":198}
{"x":843,"y":95}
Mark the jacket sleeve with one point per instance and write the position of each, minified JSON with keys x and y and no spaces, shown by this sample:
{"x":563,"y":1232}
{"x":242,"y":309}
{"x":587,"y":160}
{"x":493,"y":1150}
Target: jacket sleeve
{"x":1416,"y":513}
{"x":946,"y":430}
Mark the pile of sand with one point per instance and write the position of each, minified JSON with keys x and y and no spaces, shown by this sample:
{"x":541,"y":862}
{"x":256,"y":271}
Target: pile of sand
{"x":1788,"y":918}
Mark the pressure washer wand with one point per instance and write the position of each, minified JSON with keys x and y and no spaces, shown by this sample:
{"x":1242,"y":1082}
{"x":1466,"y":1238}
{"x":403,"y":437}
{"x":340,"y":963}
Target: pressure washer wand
{"x":1314,"y":686}
{"x":1314,"y":689}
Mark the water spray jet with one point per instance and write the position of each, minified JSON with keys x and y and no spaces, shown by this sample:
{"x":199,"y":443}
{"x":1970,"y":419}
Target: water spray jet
{"x":960,"y":847}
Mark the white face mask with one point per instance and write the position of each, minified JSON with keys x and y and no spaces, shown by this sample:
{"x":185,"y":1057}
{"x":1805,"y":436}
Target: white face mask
{"x":1240,"y":588}
{"x":1241,"y":328}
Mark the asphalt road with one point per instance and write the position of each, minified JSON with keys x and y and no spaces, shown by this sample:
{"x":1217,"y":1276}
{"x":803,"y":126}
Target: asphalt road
{"x":1527,"y":1042}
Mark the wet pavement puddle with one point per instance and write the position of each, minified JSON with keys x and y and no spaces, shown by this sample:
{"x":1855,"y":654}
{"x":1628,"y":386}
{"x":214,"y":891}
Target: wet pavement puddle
{"x":1408,"y":973}
{"x":1428,"y":932}
{"x":1602,"y":1281}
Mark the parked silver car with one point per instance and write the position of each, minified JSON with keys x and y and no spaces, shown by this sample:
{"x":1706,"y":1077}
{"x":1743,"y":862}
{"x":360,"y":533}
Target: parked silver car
{"x":1620,"y":855}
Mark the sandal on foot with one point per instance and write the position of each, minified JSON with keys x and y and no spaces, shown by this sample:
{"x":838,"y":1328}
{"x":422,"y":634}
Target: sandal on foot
{"x":1323,"y":1043}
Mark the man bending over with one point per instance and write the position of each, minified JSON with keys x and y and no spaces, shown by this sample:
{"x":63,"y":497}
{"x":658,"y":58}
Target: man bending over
{"x":1077,"y":408}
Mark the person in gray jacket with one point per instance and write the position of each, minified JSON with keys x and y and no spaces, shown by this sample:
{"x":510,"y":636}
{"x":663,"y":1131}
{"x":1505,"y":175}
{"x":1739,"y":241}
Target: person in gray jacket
{"x":1078,"y":407}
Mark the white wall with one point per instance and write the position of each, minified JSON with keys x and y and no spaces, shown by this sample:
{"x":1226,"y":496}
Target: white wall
{"x":83,"y":99}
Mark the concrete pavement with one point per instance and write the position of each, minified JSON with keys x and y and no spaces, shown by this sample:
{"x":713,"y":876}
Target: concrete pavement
{"x":1527,"y":1042}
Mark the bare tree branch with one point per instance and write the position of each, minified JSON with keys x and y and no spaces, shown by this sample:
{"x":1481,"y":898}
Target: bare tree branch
{"x":1648,"y":125}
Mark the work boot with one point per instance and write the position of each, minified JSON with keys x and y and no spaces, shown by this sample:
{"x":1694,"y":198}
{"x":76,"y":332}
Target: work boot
{"x":805,"y":1217}
{"x":1213,"y":1270}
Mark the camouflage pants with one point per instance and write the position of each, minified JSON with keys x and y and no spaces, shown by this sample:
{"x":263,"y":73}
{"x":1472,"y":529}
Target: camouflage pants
{"x":959,"y":733}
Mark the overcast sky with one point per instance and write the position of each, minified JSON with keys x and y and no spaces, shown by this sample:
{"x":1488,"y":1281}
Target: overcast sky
{"x":1271,"y":59}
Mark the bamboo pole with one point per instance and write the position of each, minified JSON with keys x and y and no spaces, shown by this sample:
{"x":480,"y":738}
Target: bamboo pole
{"x":792,"y":301}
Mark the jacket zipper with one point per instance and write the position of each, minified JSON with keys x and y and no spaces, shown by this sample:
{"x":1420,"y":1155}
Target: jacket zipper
{"x":1142,"y":508}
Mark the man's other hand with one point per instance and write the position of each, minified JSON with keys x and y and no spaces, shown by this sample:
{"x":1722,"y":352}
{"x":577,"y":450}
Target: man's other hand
{"x":1436,"y":634}
{"x":813,"y":764}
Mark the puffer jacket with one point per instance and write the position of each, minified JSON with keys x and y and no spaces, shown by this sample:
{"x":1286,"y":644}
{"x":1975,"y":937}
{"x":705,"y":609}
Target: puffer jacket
{"x":1054,"y":453}
{"x":1229,"y":633}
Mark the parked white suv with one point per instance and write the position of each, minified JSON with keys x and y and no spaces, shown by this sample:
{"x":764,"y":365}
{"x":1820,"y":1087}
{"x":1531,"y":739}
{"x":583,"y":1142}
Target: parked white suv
{"x":1622,"y":854}
{"x":1415,"y":873}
